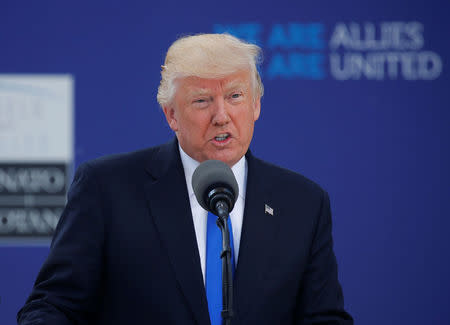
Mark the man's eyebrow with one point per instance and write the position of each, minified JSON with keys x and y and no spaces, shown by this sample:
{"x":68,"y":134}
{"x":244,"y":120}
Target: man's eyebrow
{"x":234,"y":84}
{"x":198,"y":92}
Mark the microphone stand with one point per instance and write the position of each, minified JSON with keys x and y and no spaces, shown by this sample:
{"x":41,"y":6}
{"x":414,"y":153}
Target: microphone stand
{"x":227,"y":276}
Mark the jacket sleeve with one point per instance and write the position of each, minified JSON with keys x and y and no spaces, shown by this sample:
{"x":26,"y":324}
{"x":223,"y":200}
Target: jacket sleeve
{"x":68,"y":286}
{"x":320,"y":298}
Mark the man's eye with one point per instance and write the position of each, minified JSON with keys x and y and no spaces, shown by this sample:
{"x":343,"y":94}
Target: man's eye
{"x":236,"y":95}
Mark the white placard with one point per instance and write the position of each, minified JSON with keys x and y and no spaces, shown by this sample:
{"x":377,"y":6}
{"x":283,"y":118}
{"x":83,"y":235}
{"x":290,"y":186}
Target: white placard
{"x":36,"y":118}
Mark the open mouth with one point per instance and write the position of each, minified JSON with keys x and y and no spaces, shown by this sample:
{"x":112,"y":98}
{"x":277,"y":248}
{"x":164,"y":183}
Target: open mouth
{"x":222,"y":137}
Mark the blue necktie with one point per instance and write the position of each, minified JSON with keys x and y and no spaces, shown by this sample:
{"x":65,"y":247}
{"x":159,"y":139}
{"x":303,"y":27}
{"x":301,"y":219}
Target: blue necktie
{"x":213,"y":277}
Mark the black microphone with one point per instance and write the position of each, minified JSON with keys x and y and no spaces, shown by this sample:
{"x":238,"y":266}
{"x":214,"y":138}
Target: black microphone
{"x":216,"y":190}
{"x":215,"y":187}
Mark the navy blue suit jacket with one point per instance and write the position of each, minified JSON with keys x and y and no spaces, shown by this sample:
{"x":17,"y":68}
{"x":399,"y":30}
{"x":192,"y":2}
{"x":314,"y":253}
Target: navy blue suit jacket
{"x":125,"y":250}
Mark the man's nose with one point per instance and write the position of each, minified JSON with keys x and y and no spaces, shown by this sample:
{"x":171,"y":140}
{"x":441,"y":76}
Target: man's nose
{"x":220,"y":112}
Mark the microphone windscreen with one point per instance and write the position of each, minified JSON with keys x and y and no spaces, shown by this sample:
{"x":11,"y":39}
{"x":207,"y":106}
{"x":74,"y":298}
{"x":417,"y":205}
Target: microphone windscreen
{"x":210,"y":174}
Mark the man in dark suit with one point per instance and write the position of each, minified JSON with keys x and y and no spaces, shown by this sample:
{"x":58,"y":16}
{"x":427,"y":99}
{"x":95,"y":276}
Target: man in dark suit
{"x":130,"y":245}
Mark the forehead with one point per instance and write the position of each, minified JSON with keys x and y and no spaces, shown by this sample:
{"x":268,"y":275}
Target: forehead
{"x":194,"y":84}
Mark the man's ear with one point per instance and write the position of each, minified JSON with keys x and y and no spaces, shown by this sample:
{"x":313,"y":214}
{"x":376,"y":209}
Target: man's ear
{"x":169,"y":112}
{"x":256,"y":108}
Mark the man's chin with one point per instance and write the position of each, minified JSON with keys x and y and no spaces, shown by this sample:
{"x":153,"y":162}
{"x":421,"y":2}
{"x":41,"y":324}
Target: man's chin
{"x":229,"y":158}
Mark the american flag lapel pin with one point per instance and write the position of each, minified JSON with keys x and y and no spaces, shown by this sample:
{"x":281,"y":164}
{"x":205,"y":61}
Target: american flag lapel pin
{"x":268,"y":209}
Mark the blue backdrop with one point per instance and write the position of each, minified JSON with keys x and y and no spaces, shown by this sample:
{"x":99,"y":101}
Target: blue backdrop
{"x":357,"y":99}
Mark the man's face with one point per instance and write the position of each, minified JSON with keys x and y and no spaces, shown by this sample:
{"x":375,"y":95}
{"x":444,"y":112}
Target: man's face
{"x":214,"y":118}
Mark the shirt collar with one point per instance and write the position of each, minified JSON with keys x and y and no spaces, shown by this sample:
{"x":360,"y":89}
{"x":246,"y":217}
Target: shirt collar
{"x":189,"y":165}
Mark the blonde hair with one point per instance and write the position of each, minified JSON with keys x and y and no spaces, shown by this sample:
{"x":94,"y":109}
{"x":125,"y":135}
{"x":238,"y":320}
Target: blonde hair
{"x":208,"y":56}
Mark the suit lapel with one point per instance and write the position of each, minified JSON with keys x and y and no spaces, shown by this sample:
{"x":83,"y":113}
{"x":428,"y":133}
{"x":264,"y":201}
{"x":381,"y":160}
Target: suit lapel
{"x":259,"y":231}
{"x":169,"y":205}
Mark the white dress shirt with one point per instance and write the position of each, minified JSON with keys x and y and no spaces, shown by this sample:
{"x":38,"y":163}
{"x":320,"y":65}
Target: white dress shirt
{"x":200,"y":215}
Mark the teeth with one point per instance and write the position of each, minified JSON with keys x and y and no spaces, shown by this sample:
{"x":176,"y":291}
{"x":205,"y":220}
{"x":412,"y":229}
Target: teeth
{"x":221,"y":137}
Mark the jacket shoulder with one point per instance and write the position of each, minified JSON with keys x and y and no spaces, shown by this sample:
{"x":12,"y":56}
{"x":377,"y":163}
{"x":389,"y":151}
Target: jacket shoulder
{"x":122,"y":163}
{"x":281,"y":177}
